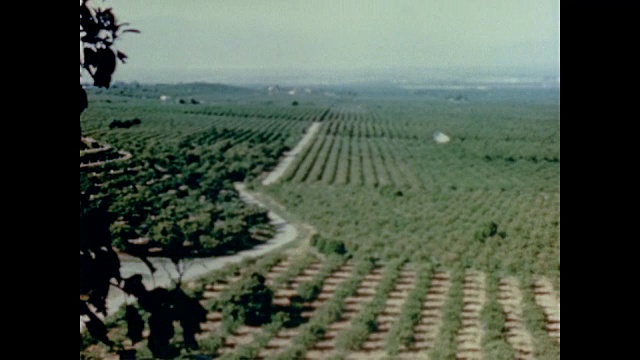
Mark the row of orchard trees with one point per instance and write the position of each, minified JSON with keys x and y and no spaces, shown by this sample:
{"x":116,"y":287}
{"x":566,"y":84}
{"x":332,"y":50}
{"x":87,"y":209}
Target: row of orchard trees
{"x":183,"y":199}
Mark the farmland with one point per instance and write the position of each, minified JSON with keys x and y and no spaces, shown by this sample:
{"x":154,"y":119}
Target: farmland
{"x":421,"y":250}
{"x":376,"y":178}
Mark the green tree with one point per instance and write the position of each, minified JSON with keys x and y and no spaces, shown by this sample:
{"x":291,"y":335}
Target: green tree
{"x":249,"y":301}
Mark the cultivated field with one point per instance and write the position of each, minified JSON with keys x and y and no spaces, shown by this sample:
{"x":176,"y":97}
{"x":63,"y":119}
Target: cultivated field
{"x":423,"y":250}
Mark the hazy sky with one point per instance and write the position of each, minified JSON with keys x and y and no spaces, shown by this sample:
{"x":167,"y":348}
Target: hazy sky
{"x":214,"y":36}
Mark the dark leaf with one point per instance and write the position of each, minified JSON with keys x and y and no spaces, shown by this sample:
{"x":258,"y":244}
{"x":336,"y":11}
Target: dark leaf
{"x":97,"y":277}
{"x":83,"y":100}
{"x":191,"y":314}
{"x":146,"y":261}
{"x":98,"y":296}
{"x":161,"y":332}
{"x":133,"y":285}
{"x":135,"y":324}
{"x":107,"y":20}
{"x":94,"y":229}
{"x":86,"y":274}
{"x":90,"y":39}
{"x":97,"y":329}
{"x":88,"y":22}
{"x":84,"y":309}
{"x":122,"y":56}
{"x":132,"y":31}
{"x":110,"y":262}
{"x":156,"y":301}
{"x":90,"y":57}
{"x":106,"y":67}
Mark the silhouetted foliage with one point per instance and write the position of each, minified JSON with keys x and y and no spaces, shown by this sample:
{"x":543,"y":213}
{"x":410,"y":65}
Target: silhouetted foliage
{"x":98,"y":31}
{"x":99,"y":264}
{"x":165,"y":307}
{"x":83,"y":100}
{"x":135,"y":324}
{"x":190,"y":313}
{"x":96,"y":327}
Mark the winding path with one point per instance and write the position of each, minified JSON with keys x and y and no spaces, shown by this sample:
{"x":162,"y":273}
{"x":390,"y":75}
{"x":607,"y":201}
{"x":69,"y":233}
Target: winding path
{"x":284,"y":164}
{"x":166,"y":272}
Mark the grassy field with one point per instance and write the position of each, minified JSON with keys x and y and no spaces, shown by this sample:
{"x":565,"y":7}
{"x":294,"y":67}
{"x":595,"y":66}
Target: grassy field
{"x":452,"y":250}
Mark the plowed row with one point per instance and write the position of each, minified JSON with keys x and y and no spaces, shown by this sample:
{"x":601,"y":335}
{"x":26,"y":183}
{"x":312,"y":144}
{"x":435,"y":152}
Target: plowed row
{"x":243,"y":335}
{"x":469,"y":336}
{"x":331,"y":159}
{"x":510,"y":297}
{"x":547,"y":299}
{"x":365,"y":292}
{"x":427,"y":330}
{"x":353,"y":147}
{"x":375,"y":342}
{"x":287,"y":275}
{"x":282,"y":340}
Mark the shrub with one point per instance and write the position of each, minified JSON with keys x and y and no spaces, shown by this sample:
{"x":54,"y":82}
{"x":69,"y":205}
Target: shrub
{"x":487,"y":230}
{"x":314,"y":332}
{"x":494,"y":340}
{"x":327,"y":246}
{"x":249,"y":301}
{"x":293,"y":352}
{"x":309,"y":291}
{"x":124,"y":124}
{"x":354,"y":338}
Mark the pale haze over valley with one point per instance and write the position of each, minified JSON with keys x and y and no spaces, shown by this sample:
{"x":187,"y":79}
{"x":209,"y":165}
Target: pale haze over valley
{"x":242,"y":41}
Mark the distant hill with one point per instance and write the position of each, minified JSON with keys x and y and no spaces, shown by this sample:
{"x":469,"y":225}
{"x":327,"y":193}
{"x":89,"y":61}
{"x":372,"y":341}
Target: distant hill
{"x":193,"y":88}
{"x":208,"y":88}
{"x":192,"y":93}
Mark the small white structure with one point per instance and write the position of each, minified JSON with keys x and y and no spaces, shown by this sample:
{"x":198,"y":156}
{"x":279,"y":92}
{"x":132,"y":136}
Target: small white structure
{"x":273,"y":89}
{"x":440,"y":137}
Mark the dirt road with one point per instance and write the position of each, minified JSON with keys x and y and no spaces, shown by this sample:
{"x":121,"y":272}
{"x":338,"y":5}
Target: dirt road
{"x":167,"y":274}
{"x":291,"y":155}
